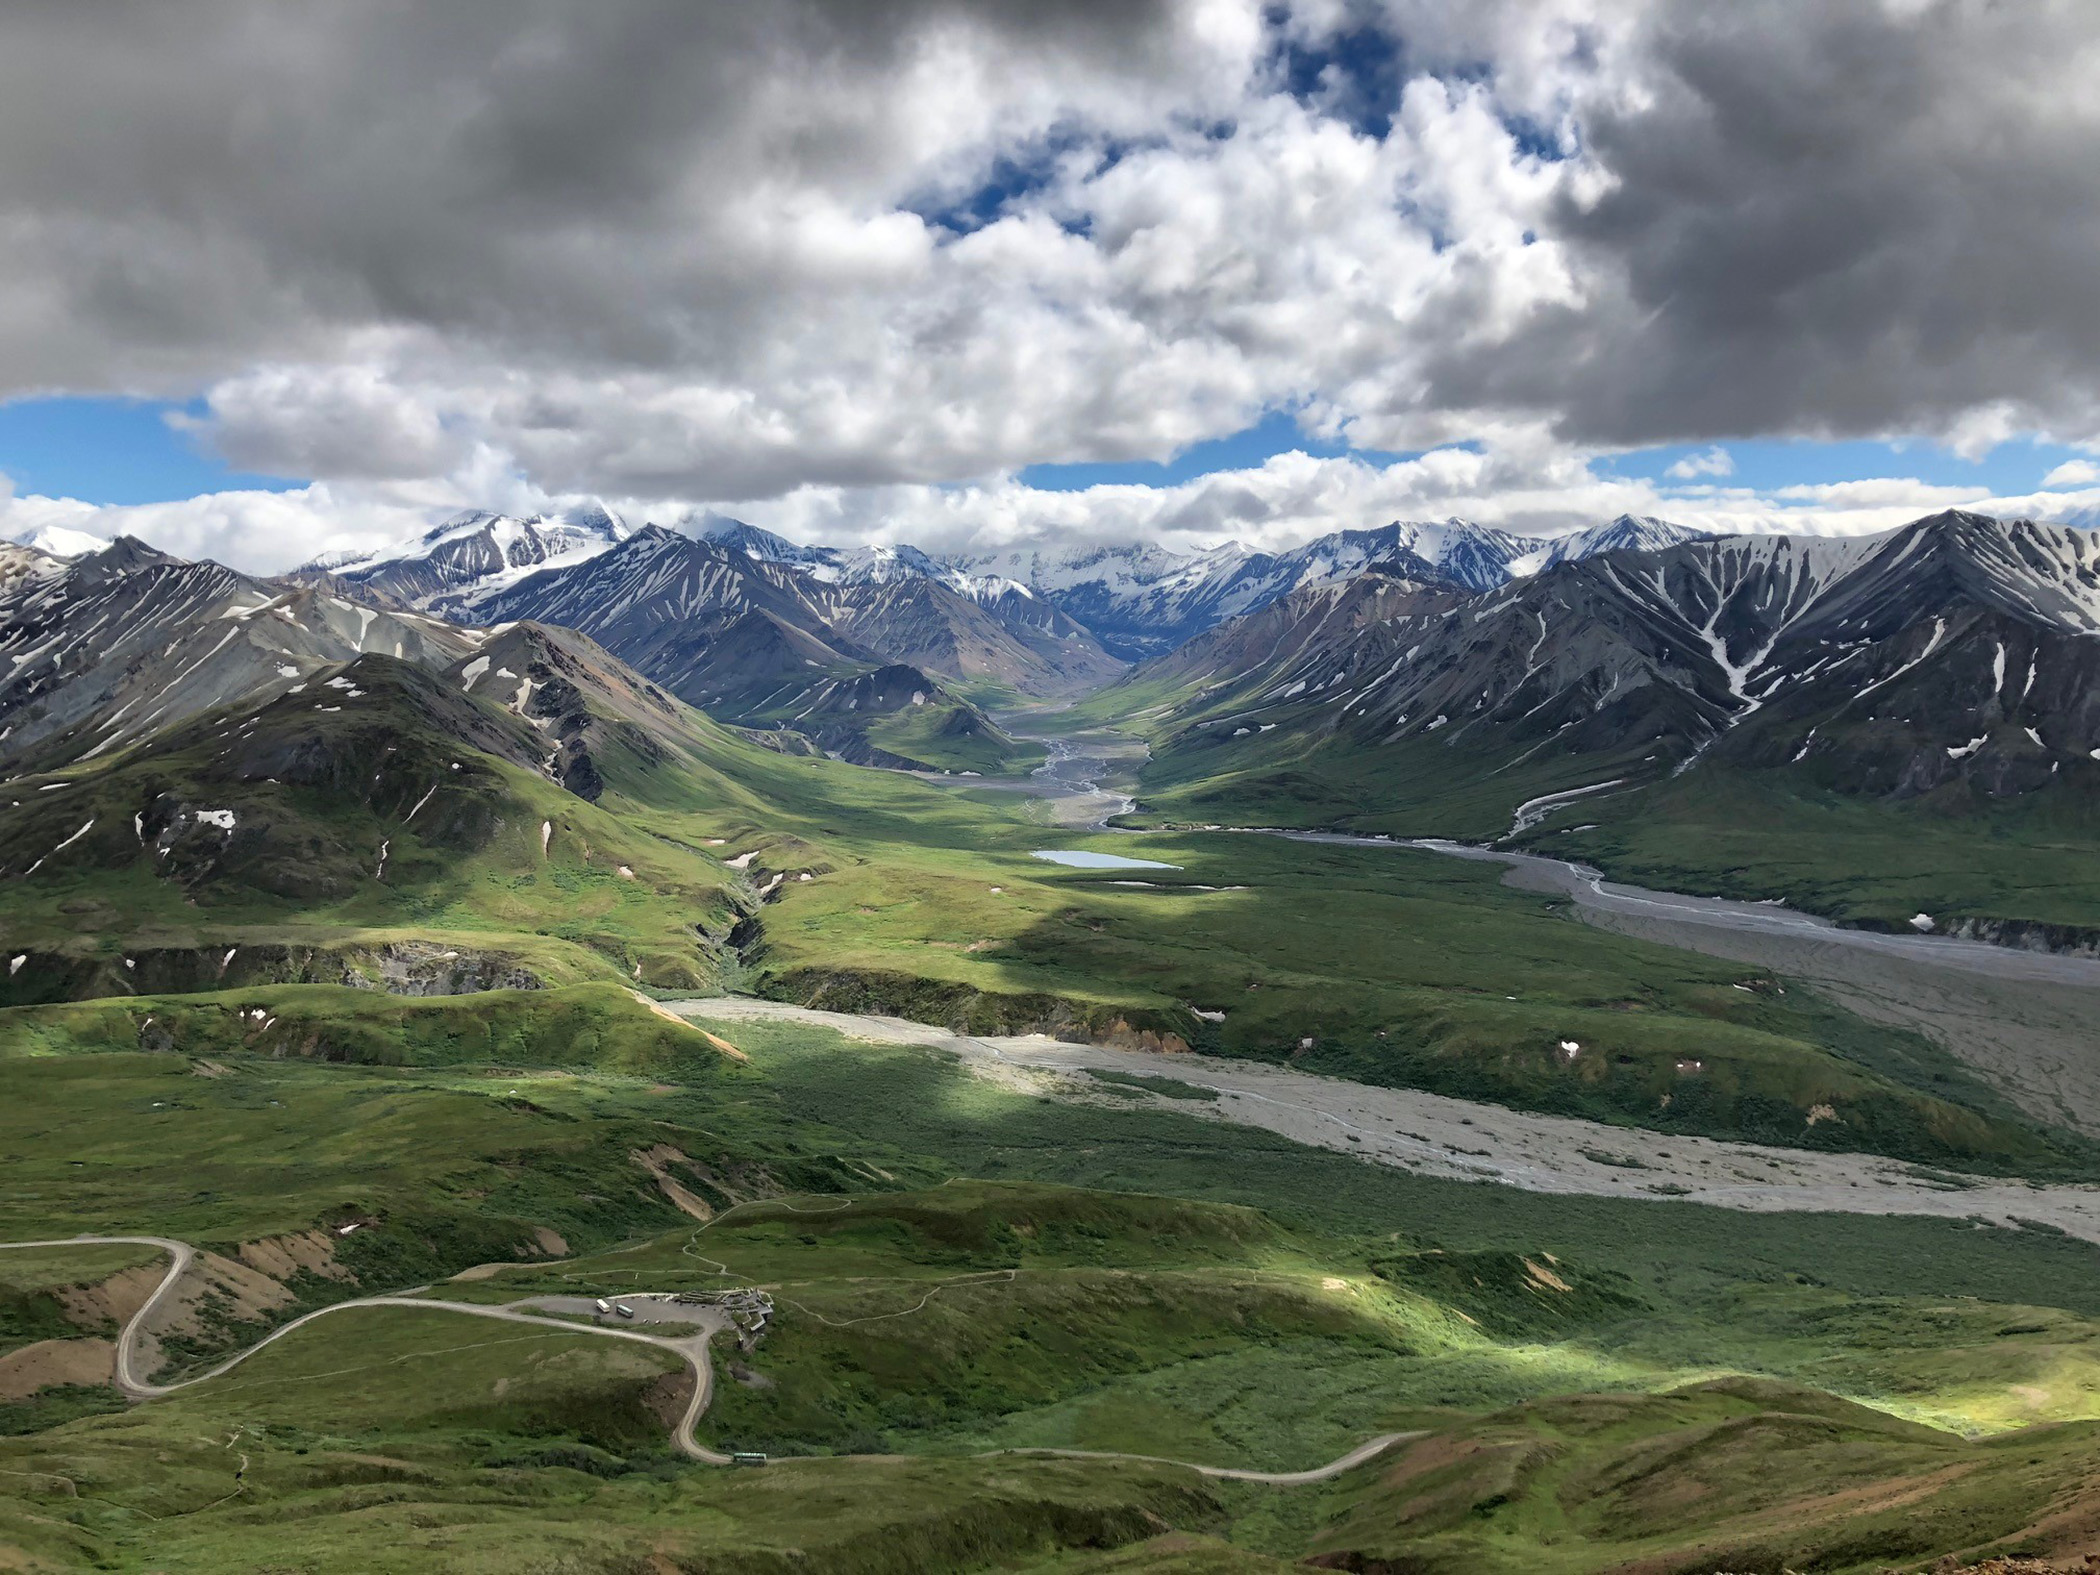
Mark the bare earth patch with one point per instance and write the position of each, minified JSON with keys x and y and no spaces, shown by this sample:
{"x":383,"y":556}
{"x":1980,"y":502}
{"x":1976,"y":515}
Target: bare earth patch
{"x":23,"y":1372}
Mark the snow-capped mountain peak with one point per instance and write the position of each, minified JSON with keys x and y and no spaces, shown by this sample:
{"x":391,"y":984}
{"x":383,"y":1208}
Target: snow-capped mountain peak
{"x":475,"y":554}
{"x":1627,"y":533}
{"x":751,"y":541}
{"x":60,"y":541}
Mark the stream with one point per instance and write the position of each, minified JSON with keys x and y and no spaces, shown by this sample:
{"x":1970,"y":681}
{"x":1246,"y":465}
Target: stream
{"x":2027,"y":1021}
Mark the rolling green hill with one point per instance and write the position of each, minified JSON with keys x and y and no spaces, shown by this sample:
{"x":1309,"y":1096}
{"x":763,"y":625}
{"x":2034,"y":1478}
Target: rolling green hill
{"x":398,"y":830}
{"x":357,"y":992}
{"x":1235,"y":1300}
{"x":372,"y":845}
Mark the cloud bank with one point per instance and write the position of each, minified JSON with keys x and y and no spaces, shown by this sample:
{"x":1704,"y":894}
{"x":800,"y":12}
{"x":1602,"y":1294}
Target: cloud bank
{"x":1282,"y":503}
{"x":856,"y":264}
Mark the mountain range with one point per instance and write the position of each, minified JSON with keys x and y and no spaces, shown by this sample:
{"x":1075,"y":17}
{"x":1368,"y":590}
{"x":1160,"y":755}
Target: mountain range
{"x":1955,"y":660}
{"x":829,"y":645}
{"x":1144,"y":600}
{"x":1134,"y":600}
{"x":1083,"y":607}
{"x":1952,"y":659}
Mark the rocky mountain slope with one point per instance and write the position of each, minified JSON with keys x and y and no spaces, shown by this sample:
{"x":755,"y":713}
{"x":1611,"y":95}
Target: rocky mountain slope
{"x":590,"y":709}
{"x":762,"y":643}
{"x":1013,"y":640}
{"x":875,"y":604}
{"x":107,"y":649}
{"x":1956,"y":656}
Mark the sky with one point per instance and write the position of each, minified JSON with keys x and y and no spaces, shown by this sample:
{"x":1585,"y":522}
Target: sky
{"x":981,"y":273}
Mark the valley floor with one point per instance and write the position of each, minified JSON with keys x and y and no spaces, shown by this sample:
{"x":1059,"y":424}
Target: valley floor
{"x":1437,"y":1136}
{"x":2021,"y":1017}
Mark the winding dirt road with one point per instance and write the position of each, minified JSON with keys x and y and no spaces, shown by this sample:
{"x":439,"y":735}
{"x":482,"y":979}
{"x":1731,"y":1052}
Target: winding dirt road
{"x":1368,"y":1449}
{"x":692,"y":1349}
{"x":181,"y":1256}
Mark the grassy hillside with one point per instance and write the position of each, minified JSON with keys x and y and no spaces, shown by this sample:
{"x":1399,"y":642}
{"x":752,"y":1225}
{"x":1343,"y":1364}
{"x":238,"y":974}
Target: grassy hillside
{"x":1723,"y":828}
{"x":1768,"y":834}
{"x":897,"y":717}
{"x":1419,"y":788}
{"x":1730,"y":1475}
{"x":954,"y":737}
{"x":1705,"y":1285}
{"x":365,"y":840}
{"x":378,"y":1142}
{"x":1167,"y":1315}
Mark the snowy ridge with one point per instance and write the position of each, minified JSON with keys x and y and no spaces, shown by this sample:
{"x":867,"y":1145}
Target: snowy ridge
{"x":1143,"y":599}
{"x":1627,"y":533}
{"x":126,"y":641}
{"x":461,"y":563}
{"x":869,"y":565}
{"x":1956,"y":648}
{"x":60,"y":541}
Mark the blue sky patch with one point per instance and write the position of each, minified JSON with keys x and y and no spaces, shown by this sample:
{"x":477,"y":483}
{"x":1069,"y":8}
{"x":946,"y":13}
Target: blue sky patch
{"x":1355,"y":75}
{"x":1276,"y":433}
{"x":1768,"y":464}
{"x":112,"y":451}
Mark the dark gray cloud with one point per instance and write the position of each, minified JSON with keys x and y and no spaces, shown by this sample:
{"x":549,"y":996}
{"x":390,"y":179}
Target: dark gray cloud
{"x":675,"y":249}
{"x":181,"y":188}
{"x":1852,"y":218}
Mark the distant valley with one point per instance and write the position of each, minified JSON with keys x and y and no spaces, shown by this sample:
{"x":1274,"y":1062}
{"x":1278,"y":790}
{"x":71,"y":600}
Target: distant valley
{"x":551,"y":916}
{"x":1428,"y":679}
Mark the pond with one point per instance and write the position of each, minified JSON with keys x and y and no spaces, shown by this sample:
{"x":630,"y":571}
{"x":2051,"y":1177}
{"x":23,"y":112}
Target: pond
{"x":1080,"y":859}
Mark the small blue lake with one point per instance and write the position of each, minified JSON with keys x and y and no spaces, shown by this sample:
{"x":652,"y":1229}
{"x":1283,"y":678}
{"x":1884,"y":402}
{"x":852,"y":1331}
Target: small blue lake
{"x":1079,"y":859}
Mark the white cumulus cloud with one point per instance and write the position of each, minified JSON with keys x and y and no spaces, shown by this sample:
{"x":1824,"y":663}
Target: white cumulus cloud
{"x":1716,"y":461}
{"x":828,"y":258}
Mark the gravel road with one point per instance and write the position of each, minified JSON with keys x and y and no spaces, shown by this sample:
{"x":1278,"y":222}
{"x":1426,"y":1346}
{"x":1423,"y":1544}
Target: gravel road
{"x":691,"y":1348}
{"x":1334,"y":1468}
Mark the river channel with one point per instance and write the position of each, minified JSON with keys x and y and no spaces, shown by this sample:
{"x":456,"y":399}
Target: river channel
{"x":2028,"y":1021}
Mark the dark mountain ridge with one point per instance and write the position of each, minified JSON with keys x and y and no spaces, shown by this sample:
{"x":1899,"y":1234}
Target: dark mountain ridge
{"x":1959,"y":653}
{"x":128,"y":640}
